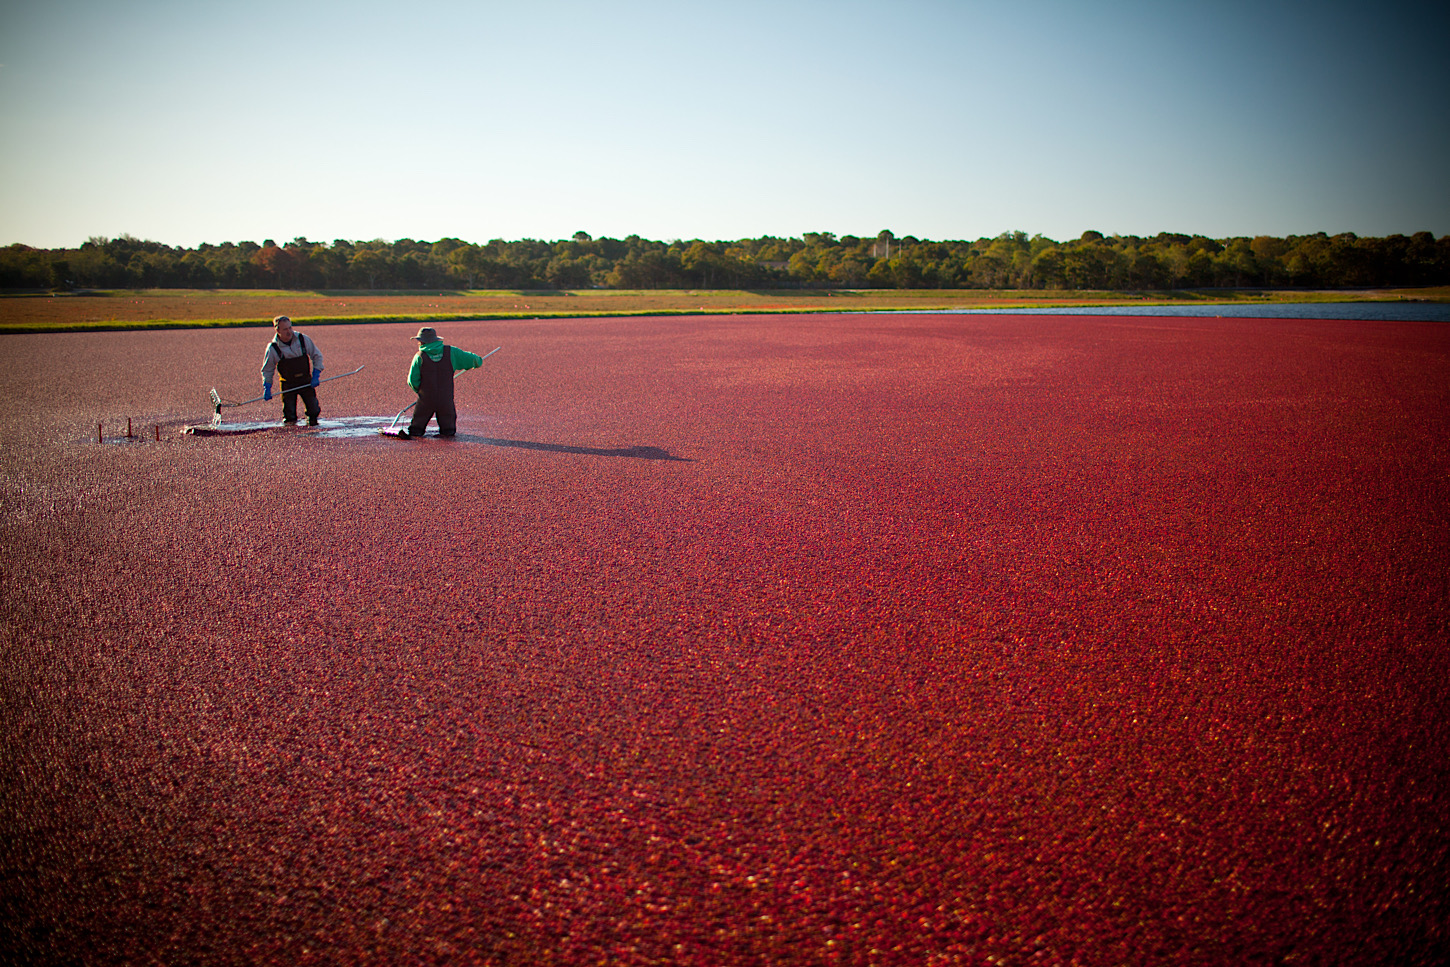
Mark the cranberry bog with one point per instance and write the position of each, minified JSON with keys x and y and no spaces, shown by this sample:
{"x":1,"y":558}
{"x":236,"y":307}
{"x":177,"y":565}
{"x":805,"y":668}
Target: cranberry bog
{"x":858,"y":639}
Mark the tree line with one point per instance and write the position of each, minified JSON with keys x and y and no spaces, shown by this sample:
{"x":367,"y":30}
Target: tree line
{"x":1011,"y":260}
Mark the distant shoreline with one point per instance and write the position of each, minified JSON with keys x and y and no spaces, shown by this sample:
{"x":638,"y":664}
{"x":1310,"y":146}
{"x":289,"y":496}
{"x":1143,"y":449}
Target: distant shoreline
{"x":140,"y":309}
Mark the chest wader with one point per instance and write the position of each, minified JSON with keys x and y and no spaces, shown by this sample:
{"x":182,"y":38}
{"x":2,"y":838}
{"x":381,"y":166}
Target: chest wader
{"x":293,"y":372}
{"x":435,"y":395}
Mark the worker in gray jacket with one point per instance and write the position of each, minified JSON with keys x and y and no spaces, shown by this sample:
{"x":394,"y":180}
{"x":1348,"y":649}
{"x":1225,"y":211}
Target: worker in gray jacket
{"x":298,"y":361}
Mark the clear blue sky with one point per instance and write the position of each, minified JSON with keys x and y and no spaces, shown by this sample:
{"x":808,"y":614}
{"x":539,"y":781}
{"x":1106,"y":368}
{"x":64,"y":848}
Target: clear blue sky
{"x":190,"y":121}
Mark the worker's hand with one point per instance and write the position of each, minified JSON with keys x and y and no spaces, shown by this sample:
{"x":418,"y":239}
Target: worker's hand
{"x":266,"y":391}
{"x":316,"y":376}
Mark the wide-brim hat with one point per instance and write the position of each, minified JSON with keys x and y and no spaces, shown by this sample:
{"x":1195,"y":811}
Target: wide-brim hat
{"x":426,"y":334}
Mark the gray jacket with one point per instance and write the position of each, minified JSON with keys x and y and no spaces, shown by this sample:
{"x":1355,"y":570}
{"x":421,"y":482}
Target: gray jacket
{"x":291,"y":350}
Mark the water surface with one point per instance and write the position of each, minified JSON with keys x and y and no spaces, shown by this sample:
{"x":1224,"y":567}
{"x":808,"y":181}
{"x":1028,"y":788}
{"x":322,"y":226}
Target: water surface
{"x":1369,"y":311}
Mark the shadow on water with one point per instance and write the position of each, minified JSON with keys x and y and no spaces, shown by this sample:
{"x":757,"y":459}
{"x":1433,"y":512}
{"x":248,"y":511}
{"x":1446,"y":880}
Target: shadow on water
{"x":636,"y":453}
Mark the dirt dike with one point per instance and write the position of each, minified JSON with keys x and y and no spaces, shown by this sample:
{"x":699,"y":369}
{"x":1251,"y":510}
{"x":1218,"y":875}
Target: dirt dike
{"x":732,"y":640}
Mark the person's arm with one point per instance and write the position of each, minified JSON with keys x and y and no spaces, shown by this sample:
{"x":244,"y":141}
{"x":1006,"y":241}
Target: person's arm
{"x":315,"y":353}
{"x":463,"y":359}
{"x":269,"y":369}
{"x":415,"y":371}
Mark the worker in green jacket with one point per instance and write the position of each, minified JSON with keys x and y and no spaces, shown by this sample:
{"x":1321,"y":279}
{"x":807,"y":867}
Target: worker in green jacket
{"x":431,"y":377}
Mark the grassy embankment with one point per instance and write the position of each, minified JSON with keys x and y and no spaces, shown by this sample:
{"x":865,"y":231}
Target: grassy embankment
{"x":194,"y":308}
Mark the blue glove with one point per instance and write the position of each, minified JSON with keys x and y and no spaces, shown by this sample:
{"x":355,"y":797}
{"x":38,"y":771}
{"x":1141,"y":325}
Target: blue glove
{"x":266,"y":391}
{"x":316,"y":376}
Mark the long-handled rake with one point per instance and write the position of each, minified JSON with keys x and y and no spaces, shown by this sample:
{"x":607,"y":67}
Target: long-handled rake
{"x":390,"y":430}
{"x":217,"y":402}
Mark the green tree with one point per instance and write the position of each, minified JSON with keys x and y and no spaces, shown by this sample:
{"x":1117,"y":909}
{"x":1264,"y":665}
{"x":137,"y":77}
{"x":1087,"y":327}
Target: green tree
{"x":1047,"y":269}
{"x":468,"y":263}
{"x":370,"y":264}
{"x":1236,"y":266}
{"x":567,"y":273}
{"x":23,"y":267}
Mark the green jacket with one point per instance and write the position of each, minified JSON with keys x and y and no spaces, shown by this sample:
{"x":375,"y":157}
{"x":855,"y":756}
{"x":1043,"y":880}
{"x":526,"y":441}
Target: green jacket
{"x":461,"y":359}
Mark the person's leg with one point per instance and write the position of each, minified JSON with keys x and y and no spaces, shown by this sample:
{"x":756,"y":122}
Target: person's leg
{"x":289,"y":406}
{"x":447,"y":419}
{"x":309,"y":400}
{"x":422,"y":413}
